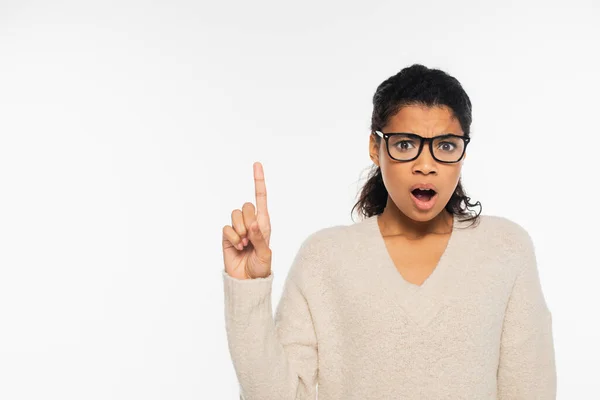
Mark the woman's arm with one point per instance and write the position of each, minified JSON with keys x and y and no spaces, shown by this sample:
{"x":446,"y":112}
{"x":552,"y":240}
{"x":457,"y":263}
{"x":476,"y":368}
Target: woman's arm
{"x":527,"y":369}
{"x":274,"y":358}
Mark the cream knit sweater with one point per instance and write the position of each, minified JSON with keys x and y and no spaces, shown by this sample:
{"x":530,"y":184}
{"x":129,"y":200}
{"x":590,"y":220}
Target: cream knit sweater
{"x":478,"y":328}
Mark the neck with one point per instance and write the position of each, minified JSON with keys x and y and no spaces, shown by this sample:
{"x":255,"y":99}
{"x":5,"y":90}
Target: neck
{"x":394,"y":222}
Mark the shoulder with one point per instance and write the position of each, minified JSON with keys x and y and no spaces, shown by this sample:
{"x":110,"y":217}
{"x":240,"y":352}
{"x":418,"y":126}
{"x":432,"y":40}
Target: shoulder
{"x":501,"y":244}
{"x":323,"y":240}
{"x":504,"y":230}
{"x":506,"y":241}
{"x":315,"y":254}
{"x":336,"y":242}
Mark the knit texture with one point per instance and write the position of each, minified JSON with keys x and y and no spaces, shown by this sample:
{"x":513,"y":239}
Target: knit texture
{"x":478,"y":328}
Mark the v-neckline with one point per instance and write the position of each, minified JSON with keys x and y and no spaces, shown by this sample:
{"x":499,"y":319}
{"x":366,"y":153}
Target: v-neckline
{"x":439,"y":268}
{"x":419,"y":301}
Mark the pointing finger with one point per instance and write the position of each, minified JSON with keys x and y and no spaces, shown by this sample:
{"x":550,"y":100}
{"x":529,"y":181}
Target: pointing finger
{"x":260,"y":189}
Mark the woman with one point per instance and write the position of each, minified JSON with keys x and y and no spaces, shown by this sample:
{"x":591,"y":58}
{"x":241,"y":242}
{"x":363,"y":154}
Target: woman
{"x":421,"y":299}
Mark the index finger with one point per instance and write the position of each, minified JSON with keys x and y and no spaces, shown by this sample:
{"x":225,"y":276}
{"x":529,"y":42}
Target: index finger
{"x":260,"y":189}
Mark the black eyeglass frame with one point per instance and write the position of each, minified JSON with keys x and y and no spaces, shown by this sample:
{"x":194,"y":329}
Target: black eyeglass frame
{"x":422,"y":140}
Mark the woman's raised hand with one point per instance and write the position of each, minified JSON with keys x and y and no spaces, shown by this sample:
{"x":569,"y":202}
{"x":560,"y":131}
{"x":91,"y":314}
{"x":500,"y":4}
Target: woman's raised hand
{"x":246,"y":251}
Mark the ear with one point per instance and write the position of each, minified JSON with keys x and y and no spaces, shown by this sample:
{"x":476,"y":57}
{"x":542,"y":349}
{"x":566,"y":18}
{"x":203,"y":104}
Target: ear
{"x":373,"y":149}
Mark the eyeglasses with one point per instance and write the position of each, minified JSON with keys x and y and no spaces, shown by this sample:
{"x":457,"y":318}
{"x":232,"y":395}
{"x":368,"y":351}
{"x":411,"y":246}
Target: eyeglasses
{"x":448,"y":148}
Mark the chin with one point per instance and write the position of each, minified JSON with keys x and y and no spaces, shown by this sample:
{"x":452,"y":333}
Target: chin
{"x":423,"y":217}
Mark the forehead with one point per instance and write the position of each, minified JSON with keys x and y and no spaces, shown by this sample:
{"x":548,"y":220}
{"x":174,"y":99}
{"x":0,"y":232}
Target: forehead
{"x":425,"y":121}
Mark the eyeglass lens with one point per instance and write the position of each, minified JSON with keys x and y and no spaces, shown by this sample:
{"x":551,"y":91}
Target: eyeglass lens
{"x":405,"y":147}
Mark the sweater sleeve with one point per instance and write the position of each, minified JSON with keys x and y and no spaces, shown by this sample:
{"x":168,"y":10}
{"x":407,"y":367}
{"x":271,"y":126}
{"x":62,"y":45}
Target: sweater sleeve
{"x":527,"y":369}
{"x":275,"y":358}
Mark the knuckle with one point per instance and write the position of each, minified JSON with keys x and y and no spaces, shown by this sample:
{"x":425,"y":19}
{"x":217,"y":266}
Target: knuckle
{"x":229,"y":233}
{"x":239,"y":228}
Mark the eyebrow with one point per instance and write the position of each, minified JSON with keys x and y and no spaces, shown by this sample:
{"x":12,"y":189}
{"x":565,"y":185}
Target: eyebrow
{"x":441,"y":134}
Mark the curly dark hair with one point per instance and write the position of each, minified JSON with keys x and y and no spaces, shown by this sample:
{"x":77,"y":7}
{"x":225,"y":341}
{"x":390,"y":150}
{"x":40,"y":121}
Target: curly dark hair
{"x":416,"y":85}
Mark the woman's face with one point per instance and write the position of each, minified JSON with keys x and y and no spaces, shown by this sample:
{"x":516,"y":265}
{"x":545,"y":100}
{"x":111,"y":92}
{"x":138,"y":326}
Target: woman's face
{"x":400,"y":176}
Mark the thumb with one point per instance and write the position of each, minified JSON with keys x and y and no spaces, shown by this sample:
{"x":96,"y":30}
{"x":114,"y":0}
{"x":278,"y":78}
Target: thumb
{"x":258,"y":241}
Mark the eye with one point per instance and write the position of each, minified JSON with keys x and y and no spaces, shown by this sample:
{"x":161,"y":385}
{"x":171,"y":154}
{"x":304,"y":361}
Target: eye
{"x":447,"y":146}
{"x":404,"y":144}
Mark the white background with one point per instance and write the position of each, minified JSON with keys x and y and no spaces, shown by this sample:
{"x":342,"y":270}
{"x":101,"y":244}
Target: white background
{"x":127,"y":136}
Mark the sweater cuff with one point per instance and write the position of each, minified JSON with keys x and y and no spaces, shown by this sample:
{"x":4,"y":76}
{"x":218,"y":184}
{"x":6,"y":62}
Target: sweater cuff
{"x":245,"y":295}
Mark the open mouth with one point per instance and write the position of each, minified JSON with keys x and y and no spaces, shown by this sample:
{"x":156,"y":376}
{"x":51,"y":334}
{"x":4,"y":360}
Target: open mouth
{"x":424,"y":194}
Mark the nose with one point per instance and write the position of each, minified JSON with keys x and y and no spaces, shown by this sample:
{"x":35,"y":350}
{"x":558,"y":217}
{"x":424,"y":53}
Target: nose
{"x":425,"y":163}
